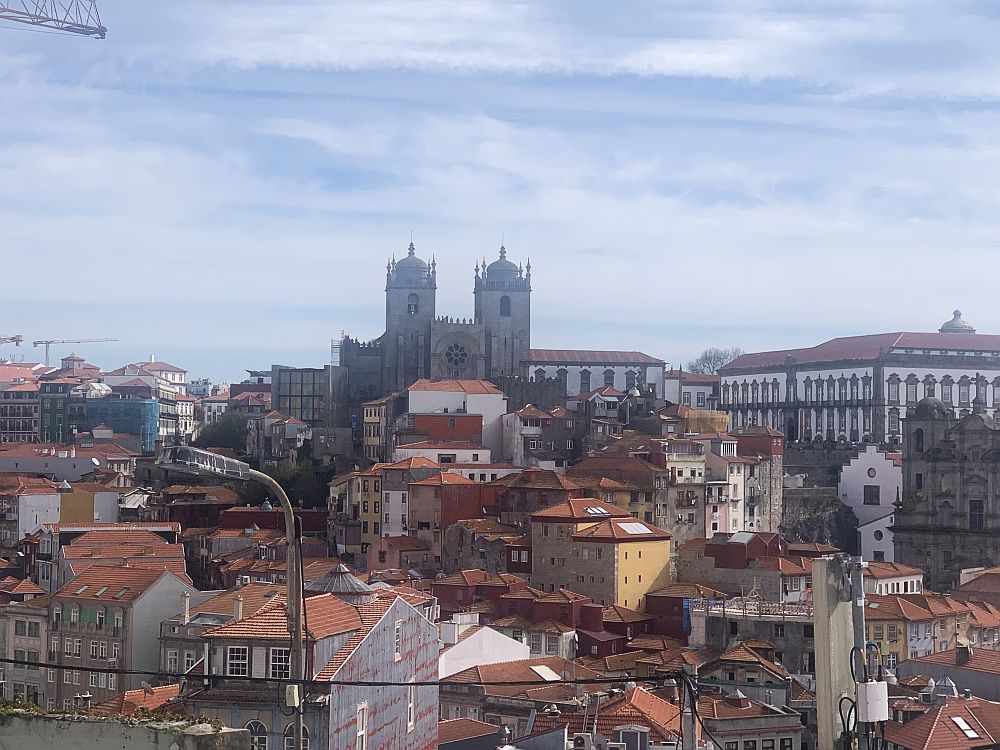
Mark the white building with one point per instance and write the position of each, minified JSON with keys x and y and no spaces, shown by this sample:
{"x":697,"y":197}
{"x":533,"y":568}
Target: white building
{"x":445,"y":452}
{"x":691,"y":389}
{"x":214,"y":407}
{"x":893,"y":578}
{"x":858,"y":388}
{"x":876,"y":537}
{"x":869,"y":485}
{"x":464,"y":644}
{"x":463,"y":397}
{"x":586,"y":370}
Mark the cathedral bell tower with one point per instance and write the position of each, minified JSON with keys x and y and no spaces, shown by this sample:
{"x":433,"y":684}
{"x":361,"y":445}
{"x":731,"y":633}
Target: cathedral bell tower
{"x":410,"y":291}
{"x":503,"y":308}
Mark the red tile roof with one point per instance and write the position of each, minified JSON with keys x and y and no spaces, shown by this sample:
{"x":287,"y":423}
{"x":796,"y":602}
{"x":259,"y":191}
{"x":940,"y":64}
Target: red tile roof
{"x":981,"y":660}
{"x":457,"y":445}
{"x":326,"y":615}
{"x":521,"y":671}
{"x":617,"y":613}
{"x":689,"y":591}
{"x":255,"y":596}
{"x":453,"y":730}
{"x":477,"y":387}
{"x":878,"y":607}
{"x":127,"y":703}
{"x":111,"y":583}
{"x":414,"y":462}
{"x":635,"y":707}
{"x":622,"y":530}
{"x":590,"y":357}
{"x":877,"y":569}
{"x":579,"y":509}
{"x":938,"y":729}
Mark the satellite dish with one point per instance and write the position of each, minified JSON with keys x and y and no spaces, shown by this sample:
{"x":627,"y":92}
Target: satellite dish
{"x":147,"y":687}
{"x":95,"y":462}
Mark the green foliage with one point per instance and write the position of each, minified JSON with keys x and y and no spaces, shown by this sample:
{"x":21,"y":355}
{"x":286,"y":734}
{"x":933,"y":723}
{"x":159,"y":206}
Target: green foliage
{"x":230,"y":431}
{"x":304,"y":486}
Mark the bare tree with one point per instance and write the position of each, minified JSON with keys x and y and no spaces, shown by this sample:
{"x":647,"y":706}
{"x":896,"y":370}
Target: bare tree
{"x":713,"y":358}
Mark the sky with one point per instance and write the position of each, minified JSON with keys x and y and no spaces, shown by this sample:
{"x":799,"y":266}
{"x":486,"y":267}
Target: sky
{"x":219,"y":184}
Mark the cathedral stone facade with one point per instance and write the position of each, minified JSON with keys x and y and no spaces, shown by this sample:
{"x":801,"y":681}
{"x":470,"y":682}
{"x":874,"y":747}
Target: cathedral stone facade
{"x":949,"y":515}
{"x":494,"y":343}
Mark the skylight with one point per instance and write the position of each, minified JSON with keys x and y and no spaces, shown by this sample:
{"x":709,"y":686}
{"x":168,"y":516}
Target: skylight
{"x":964,"y":726}
{"x":100,"y":590}
{"x":82,"y":588}
{"x":635,"y":528}
{"x":120,"y":594}
{"x":595,"y":511}
{"x":546,"y":673}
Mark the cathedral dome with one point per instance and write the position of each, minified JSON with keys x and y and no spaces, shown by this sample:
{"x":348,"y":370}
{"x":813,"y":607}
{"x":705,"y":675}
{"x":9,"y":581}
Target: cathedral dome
{"x":957,"y":325}
{"x":411,"y":262}
{"x":930,"y":408}
{"x":502,"y":268}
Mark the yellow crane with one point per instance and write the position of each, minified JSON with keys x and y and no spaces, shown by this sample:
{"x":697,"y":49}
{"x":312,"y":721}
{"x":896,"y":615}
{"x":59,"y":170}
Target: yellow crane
{"x":48,"y":342}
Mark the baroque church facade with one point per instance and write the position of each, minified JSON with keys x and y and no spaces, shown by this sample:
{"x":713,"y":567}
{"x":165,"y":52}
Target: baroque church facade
{"x":418,"y":343}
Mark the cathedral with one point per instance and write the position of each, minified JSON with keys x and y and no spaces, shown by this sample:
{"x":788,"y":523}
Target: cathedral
{"x":495,"y":342}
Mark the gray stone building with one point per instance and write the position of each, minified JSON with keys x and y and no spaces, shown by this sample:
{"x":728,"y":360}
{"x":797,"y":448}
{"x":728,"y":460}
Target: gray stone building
{"x":494,"y":343}
{"x":949,"y":515}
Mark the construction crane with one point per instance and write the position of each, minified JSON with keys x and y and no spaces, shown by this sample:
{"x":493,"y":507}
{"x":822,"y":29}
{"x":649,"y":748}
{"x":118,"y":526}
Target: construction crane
{"x":49,"y":342}
{"x":71,"y":16}
{"x":15,"y":340}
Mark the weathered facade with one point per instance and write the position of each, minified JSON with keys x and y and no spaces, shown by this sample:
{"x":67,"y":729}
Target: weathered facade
{"x":949,"y":517}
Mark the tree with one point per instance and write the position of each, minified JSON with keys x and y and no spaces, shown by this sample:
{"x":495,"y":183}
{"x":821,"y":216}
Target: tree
{"x":710,"y":360}
{"x":229,"y":431}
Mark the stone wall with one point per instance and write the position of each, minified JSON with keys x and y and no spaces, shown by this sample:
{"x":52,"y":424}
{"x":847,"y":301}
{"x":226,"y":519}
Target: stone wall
{"x":820,"y":462}
{"x":26,"y":731}
{"x":815,"y":514}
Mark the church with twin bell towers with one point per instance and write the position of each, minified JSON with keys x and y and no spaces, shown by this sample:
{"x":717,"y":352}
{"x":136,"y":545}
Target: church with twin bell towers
{"x":418,"y":343}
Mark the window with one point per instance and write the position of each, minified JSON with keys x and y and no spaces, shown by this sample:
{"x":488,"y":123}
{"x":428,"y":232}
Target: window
{"x":807,"y":630}
{"x":411,"y":706}
{"x":237,"y":661}
{"x":51,"y":674}
{"x":918,"y":480}
{"x":93,"y":679}
{"x":20,"y":627}
{"x":911,"y":393}
{"x":893,"y":422}
{"x":67,"y":677}
{"x":112,"y":681}
{"x":115,"y":649}
{"x":361,"y":722}
{"x":290,"y":738}
{"x":280,"y":664}
{"x":77,"y":647}
{"x":172,"y":661}
{"x":551,"y":644}
{"x":100,"y":618}
{"x":946,"y":393}
{"x":505,"y":306}
{"x":74,"y":614}
{"x":976,"y":514}
{"x":190,"y":658}
{"x":535,"y":642}
{"x":93,"y":651}
{"x":894,"y":393}
{"x":413,"y":304}
{"x":398,"y":641}
{"x":258,"y":735}
{"x":963,"y":394}
{"x":872,"y":494}
{"x":609,"y":378}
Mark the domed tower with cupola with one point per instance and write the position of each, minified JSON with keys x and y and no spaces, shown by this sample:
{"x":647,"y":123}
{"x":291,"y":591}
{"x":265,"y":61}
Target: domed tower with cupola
{"x":410,"y":292}
{"x":503,"y":308}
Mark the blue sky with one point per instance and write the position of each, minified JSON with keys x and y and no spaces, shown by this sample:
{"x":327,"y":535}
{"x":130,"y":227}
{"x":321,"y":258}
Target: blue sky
{"x":220,"y":184}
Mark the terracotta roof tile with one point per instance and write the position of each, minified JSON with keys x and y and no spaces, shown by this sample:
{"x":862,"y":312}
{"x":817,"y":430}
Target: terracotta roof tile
{"x":325,"y":613}
{"x":580,"y":509}
{"x":127,"y":703}
{"x":453,"y":730}
{"x":591,"y":357}
{"x":938,"y":729}
{"x":476,"y":387}
{"x":111,"y":583}
{"x":622,"y":530}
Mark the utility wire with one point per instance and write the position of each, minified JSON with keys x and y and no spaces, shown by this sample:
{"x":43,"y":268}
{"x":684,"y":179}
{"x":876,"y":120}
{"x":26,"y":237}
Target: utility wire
{"x":320,"y":683}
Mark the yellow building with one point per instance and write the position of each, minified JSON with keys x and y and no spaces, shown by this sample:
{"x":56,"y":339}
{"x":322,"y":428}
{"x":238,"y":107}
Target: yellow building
{"x":375,"y":417}
{"x":370,"y":501}
{"x":596,"y":548}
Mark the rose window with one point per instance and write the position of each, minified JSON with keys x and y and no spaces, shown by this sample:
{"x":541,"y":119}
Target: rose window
{"x":457,"y":355}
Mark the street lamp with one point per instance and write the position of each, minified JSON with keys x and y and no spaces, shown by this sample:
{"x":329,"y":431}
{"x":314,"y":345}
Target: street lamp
{"x":183,"y":459}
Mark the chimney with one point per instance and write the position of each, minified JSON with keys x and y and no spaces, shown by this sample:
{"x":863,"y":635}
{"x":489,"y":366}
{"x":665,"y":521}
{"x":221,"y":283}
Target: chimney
{"x":962,"y":655}
{"x":967,"y":693}
{"x":72,"y":452}
{"x":186,"y":597}
{"x":238,"y":608}
{"x":592,"y":617}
